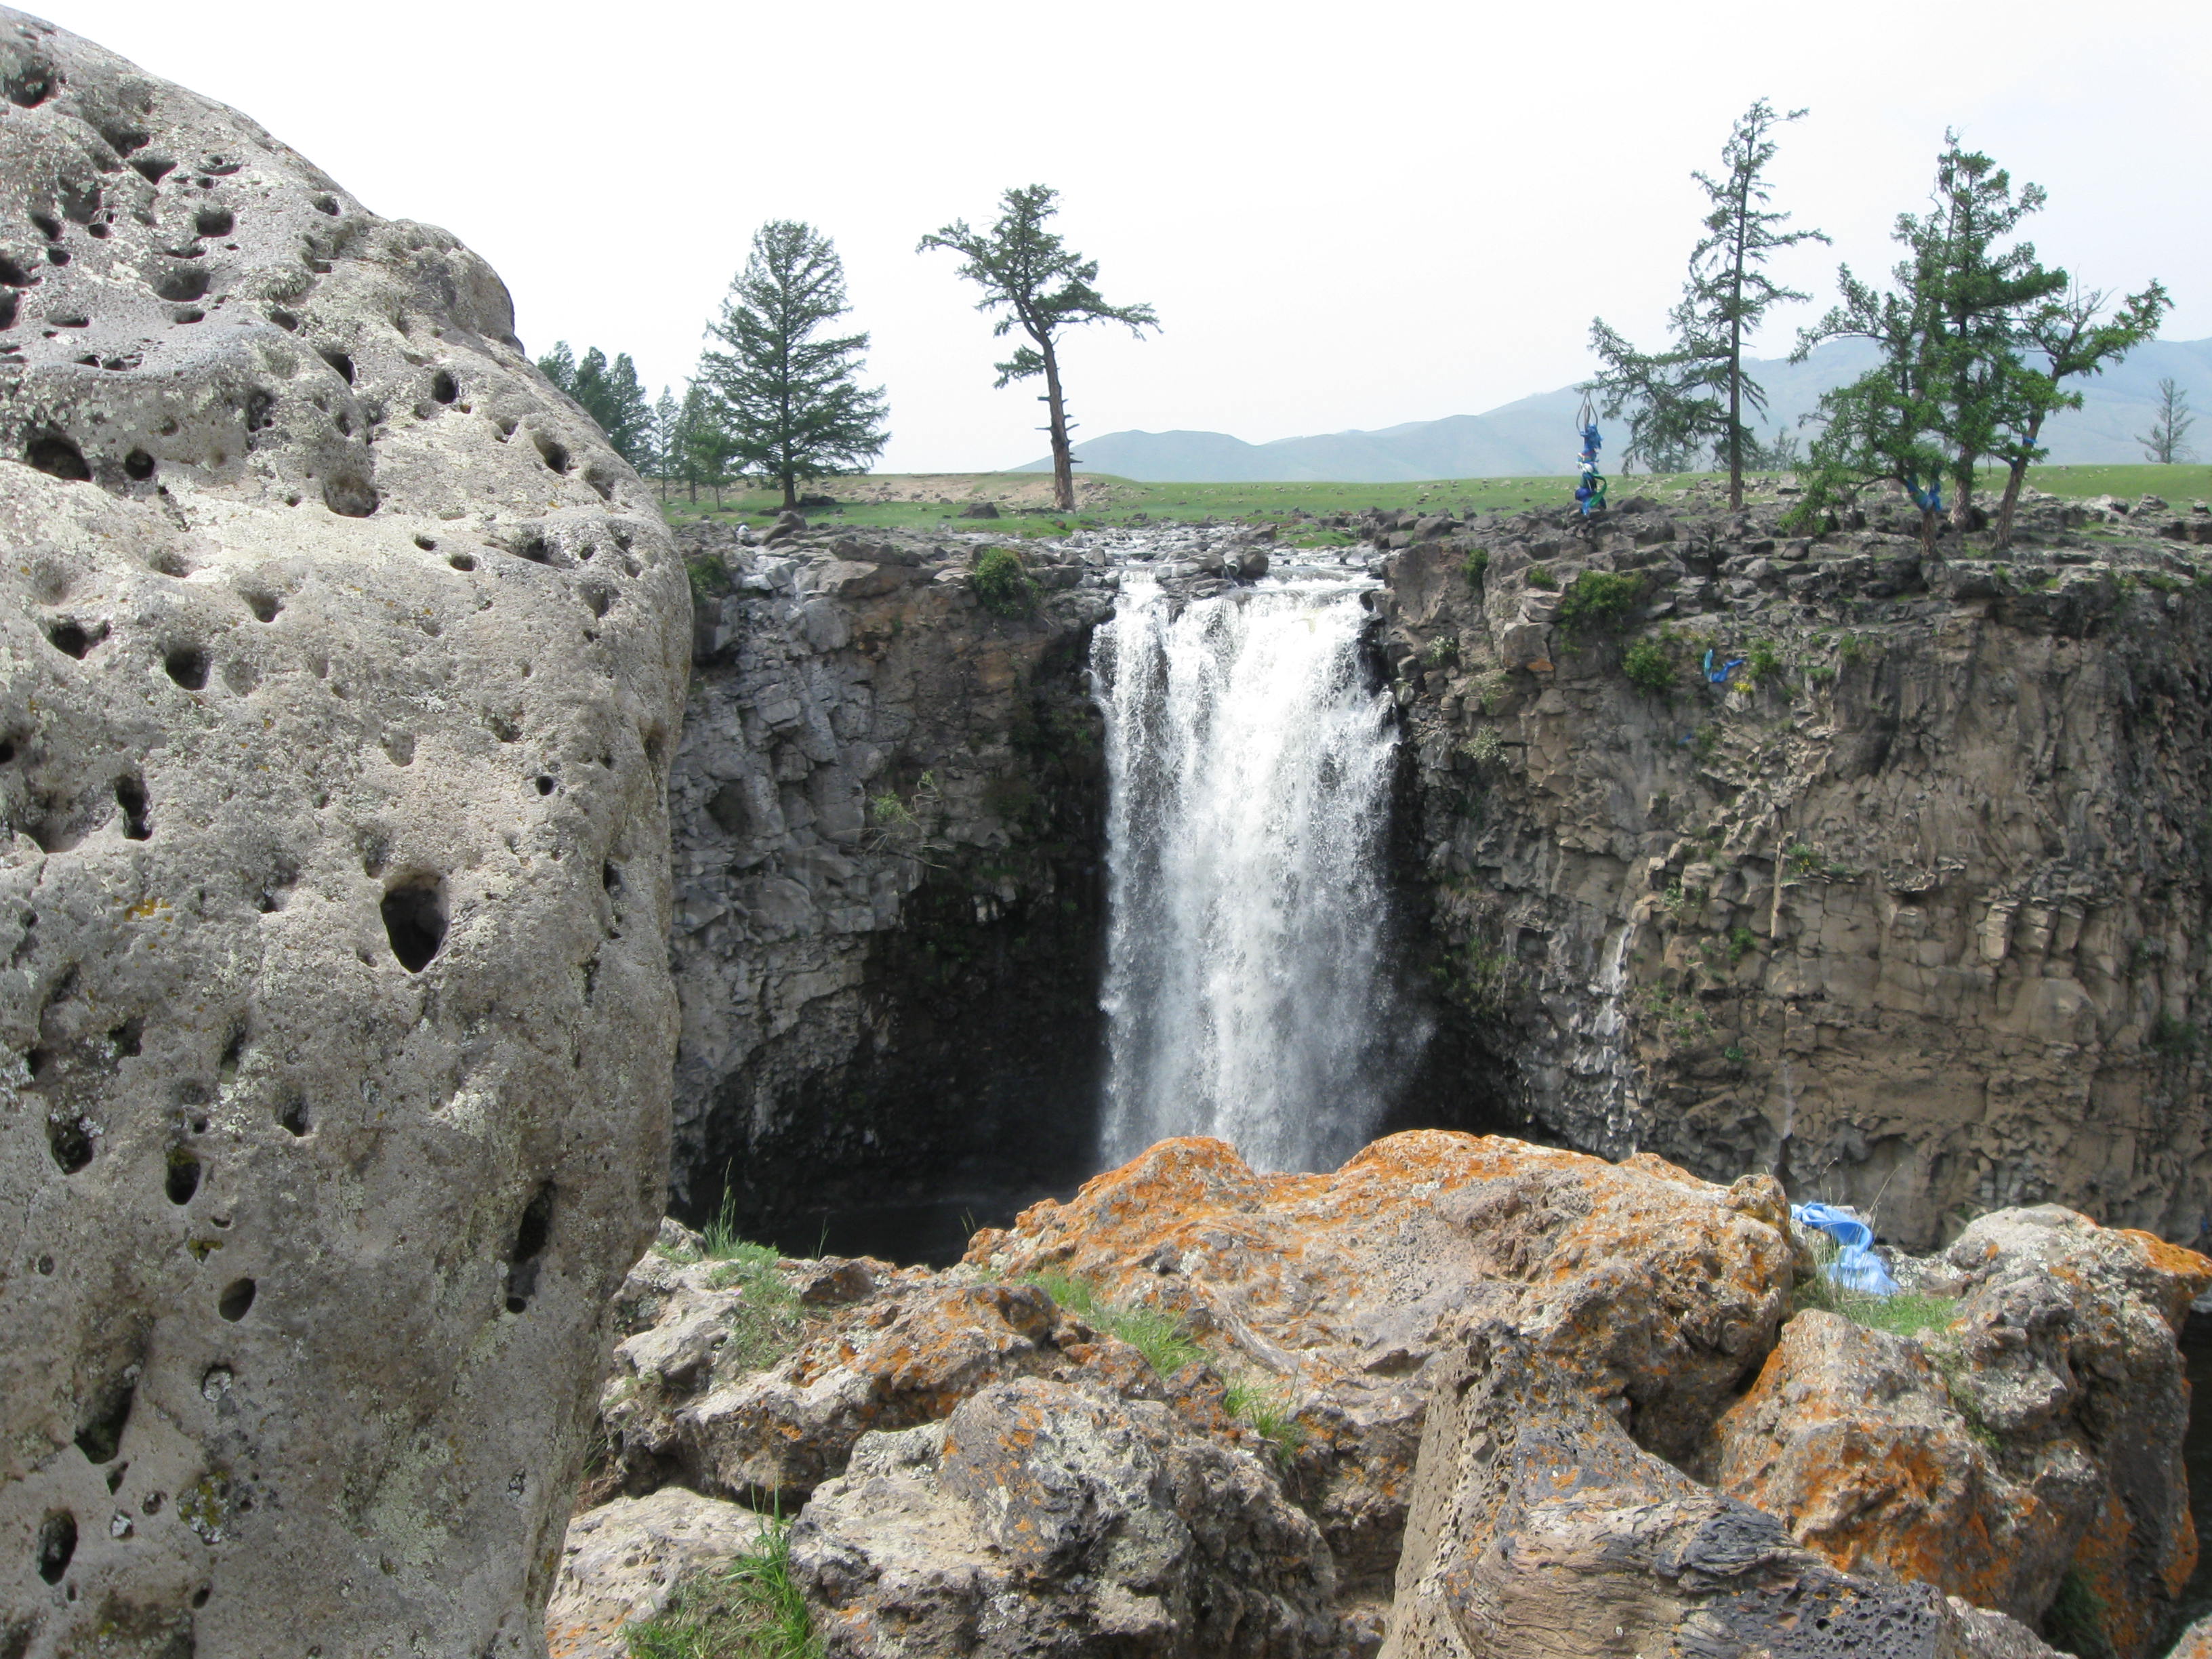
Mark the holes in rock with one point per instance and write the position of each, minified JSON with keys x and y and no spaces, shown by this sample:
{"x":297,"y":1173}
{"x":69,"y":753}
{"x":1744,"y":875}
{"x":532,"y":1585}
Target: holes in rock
{"x":327,"y":204}
{"x":57,"y":455}
{"x":601,"y":599}
{"x":56,"y":1544}
{"x":99,"y":1436}
{"x":414,"y":922}
{"x":349,"y":497}
{"x":241,"y":675}
{"x":138,"y":467}
{"x":260,"y":409}
{"x":427,"y":543}
{"x":292,"y":1115}
{"x":49,"y":227}
{"x":339,"y":360}
{"x":233,"y":1051}
{"x":609,"y":877}
{"x":443,"y":387}
{"x":284,"y":319}
{"x":461,"y":561}
{"x":400,"y":746}
{"x":554,"y":454}
{"x":535,"y":550}
{"x":153,"y":168}
{"x":183,"y":282}
{"x":71,"y":1147}
{"x":58,"y":256}
{"x":188,"y":666}
{"x":127,"y":1038}
{"x":130,"y":796}
{"x":532,"y":1234}
{"x":7,"y":750}
{"x":8,"y":309}
{"x":182,"y":1179}
{"x":73,"y":639}
{"x":544,"y":785}
{"x":264,"y":606}
{"x":31,"y":85}
{"x":200,"y":1595}
{"x":728,"y":807}
{"x":236,"y":1299}
{"x":214,"y":220}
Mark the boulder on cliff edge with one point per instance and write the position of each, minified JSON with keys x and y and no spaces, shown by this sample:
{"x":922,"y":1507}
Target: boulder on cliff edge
{"x":341,"y":660}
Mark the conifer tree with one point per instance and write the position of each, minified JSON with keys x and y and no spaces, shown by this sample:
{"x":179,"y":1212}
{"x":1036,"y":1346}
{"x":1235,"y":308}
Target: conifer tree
{"x":667,"y":415}
{"x":2164,"y":443}
{"x":1693,"y":396}
{"x":608,"y":394}
{"x":787,"y":405}
{"x":1043,"y":286}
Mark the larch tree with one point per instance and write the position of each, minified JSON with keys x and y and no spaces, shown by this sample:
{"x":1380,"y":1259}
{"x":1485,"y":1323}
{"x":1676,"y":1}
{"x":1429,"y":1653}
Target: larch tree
{"x":2066,"y":335}
{"x":1693,"y":396}
{"x":609,"y":394}
{"x":2169,"y":428}
{"x":1040,"y":285}
{"x":789,"y":402}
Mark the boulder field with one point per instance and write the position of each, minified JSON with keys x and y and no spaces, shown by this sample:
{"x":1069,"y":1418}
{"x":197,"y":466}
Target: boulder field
{"x":1463,"y":1396}
{"x":341,"y":662}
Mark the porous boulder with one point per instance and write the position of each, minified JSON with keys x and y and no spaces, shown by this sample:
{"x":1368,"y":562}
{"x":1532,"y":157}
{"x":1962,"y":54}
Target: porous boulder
{"x":2033,"y":1437}
{"x":1042,"y":1517}
{"x":1539,"y":1530}
{"x":623,"y":1562}
{"x":1659,"y":1293}
{"x":341,"y":662}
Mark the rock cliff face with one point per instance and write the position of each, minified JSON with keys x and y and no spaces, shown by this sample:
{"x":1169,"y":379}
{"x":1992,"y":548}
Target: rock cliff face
{"x":1910,"y":909}
{"x":889,"y":817}
{"x":340,"y":665}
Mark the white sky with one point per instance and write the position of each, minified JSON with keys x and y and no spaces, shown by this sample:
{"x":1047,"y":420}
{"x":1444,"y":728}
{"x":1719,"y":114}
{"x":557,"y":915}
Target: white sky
{"x":1348,"y":215}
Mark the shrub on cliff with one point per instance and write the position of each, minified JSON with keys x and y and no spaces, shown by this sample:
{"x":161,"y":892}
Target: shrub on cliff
{"x":1599,"y":602}
{"x":1648,"y":664}
{"x":1002,"y":583}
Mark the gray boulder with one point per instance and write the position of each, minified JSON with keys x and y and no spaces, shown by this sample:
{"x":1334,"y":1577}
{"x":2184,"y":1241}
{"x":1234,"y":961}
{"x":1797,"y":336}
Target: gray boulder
{"x":340,"y":663}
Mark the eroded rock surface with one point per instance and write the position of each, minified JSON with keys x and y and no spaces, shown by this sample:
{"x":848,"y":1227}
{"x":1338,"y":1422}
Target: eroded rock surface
{"x":1909,"y":905}
{"x":340,"y":663}
{"x":623,"y":1562}
{"x":2033,"y":1437}
{"x":1541,"y":1531}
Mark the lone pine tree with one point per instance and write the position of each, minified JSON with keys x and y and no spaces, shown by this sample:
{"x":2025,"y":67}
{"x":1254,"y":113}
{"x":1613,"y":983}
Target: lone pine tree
{"x":1043,"y":286}
{"x":784,"y":406}
{"x":1692,"y":396}
{"x":2169,"y":426}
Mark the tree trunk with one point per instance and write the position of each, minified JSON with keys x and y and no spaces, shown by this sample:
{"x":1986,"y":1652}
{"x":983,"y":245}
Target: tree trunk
{"x":1063,"y":466}
{"x":1928,"y":523}
{"x":790,"y":493}
{"x":2014,"y":477}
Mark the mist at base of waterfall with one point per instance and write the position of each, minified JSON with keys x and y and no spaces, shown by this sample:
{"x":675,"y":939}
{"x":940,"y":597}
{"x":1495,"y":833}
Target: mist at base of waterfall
{"x":1250,"y":765}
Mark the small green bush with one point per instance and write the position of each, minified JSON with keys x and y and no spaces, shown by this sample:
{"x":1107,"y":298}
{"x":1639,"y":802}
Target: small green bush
{"x":1442,"y":651}
{"x":1002,"y":583}
{"x":1648,"y":664}
{"x":710,"y":578}
{"x":1540,"y":576}
{"x":1764,"y":663}
{"x":2173,"y":1036}
{"x":1483,"y":748}
{"x":1474,"y":565}
{"x":1600,"y":601}
{"x":1742,"y":943}
{"x":747,"y":1608}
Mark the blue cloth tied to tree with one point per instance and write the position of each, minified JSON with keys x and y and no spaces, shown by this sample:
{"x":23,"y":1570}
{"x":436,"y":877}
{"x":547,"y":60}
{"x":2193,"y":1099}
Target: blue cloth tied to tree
{"x":1857,"y":1268}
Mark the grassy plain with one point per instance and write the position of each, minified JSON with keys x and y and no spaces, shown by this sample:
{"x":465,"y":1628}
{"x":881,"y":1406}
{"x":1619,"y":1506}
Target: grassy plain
{"x":936,"y":501}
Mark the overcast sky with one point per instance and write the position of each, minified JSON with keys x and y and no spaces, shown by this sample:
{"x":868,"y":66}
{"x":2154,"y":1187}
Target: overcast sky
{"x":1346,"y":215}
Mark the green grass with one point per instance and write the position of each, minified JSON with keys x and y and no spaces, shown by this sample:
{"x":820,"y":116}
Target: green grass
{"x":1153,"y":1333}
{"x":767,"y":1322}
{"x":2076,"y":1620}
{"x":1002,"y":583}
{"x":1906,"y":1313}
{"x":1128,"y":500}
{"x":748,"y":1608}
{"x":1265,"y":1407}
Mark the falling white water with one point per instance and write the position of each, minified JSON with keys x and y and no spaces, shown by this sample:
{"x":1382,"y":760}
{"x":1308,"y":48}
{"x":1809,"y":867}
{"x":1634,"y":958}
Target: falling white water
{"x":1249,"y":774}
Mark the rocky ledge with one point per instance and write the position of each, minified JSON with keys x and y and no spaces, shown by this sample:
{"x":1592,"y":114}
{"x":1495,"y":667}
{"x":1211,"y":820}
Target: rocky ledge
{"x":1824,"y":853}
{"x":1463,"y":1396}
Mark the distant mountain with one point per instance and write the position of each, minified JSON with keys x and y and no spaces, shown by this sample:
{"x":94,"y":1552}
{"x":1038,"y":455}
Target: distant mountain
{"x":1535,"y":435}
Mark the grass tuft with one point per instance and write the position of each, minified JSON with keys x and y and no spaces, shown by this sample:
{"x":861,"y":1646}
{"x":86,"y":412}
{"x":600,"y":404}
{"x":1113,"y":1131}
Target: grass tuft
{"x":748,"y":1608}
{"x":1265,"y":1408}
{"x":1156,"y":1334}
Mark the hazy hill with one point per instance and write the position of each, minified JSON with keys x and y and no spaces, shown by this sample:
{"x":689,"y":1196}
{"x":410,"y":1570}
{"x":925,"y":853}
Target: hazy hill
{"x":1536,"y":434}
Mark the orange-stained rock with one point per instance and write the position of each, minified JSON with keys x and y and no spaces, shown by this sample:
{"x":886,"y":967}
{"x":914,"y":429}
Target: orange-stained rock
{"x":1660,"y":1292}
{"x":2039,"y":1434}
{"x":1541,"y":1531}
{"x":1850,"y":1437}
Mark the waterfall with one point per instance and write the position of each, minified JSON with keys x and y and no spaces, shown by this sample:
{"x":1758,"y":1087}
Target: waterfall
{"x":1248,"y":768}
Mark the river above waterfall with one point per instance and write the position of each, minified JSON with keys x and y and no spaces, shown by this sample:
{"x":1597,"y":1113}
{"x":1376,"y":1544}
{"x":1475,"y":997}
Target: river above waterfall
{"x":1249,"y":761}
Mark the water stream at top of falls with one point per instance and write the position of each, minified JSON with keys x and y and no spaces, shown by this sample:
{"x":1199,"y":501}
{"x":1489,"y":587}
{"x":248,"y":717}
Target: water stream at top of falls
{"x":1250,"y":765}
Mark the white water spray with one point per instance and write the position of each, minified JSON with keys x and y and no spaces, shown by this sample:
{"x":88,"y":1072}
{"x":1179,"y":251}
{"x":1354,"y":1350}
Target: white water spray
{"x":1249,"y":775}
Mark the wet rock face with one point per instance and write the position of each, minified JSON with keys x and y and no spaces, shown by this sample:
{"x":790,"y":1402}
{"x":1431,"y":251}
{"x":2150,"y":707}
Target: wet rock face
{"x":340,"y":665}
{"x":889,"y":814}
{"x":1905,"y":909}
